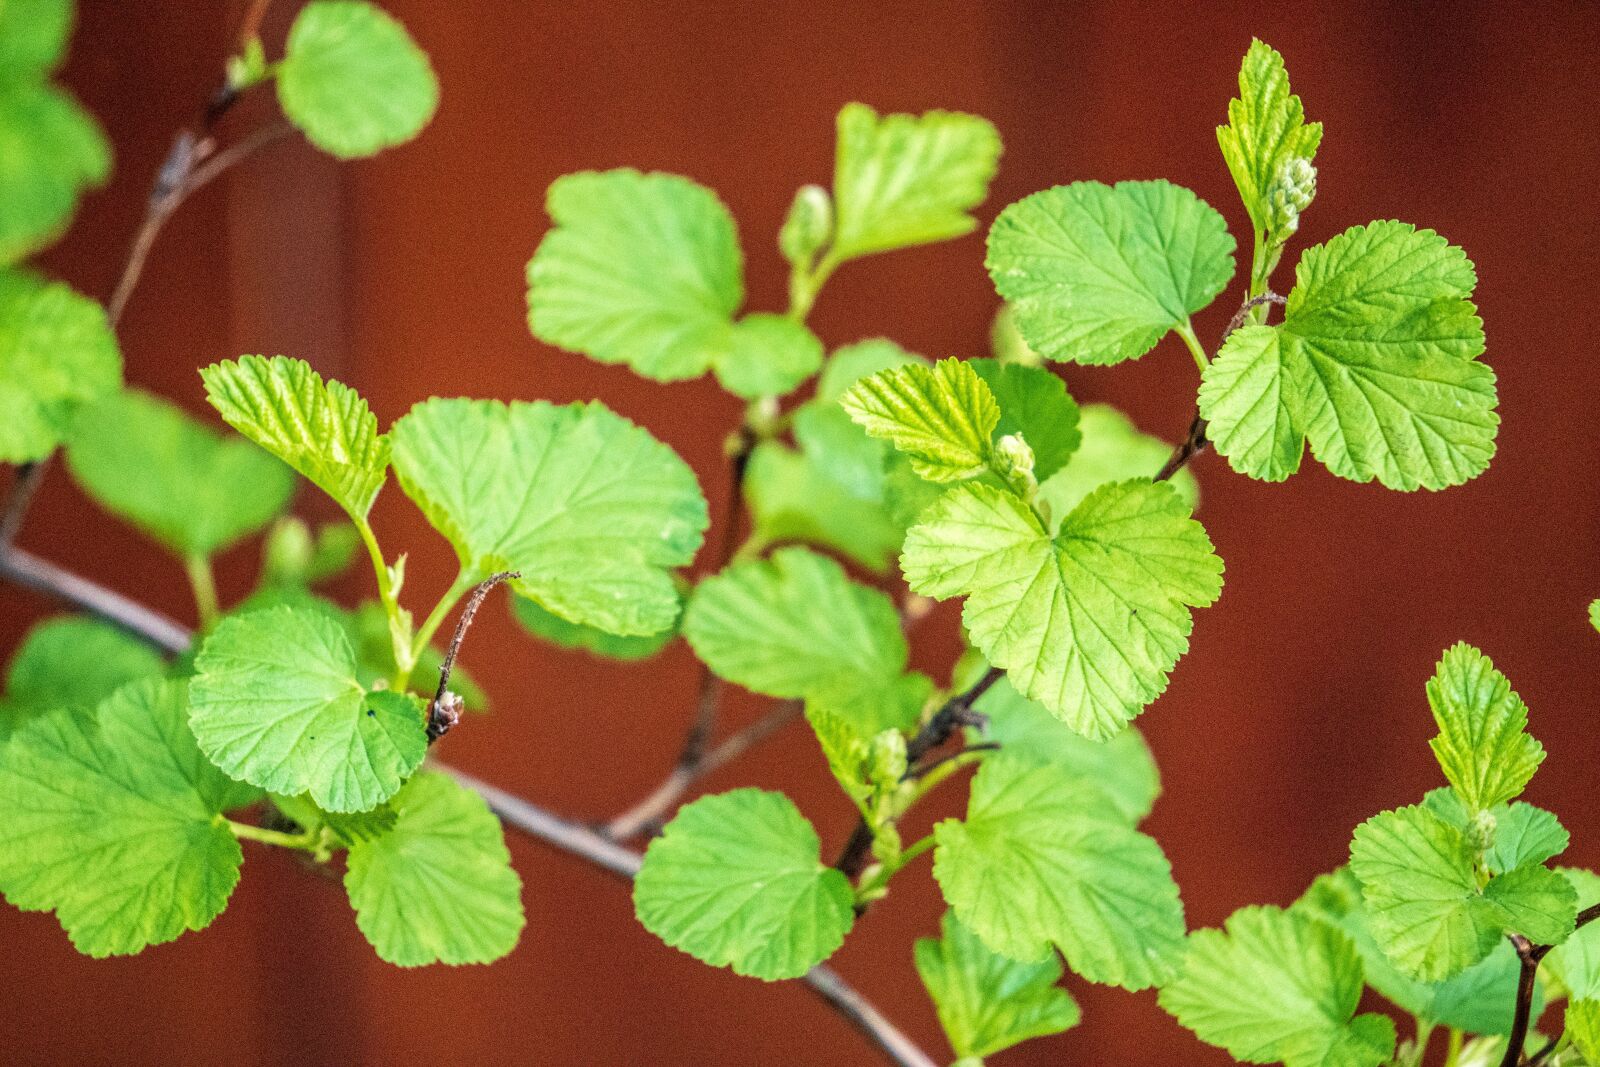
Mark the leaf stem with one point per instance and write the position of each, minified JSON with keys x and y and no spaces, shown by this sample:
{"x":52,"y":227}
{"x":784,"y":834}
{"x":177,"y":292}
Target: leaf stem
{"x":1185,"y":330}
{"x":872,"y":887}
{"x":203,"y":582}
{"x":435,"y":619}
{"x":1452,"y":1051}
{"x":805,"y":283}
{"x":306,"y":841}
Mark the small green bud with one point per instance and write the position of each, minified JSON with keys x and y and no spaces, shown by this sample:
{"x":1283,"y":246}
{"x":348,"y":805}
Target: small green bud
{"x":1290,"y":194}
{"x":287,"y":554}
{"x":809,"y":225}
{"x":1481,"y":833}
{"x":886,"y":843}
{"x":888,"y":759}
{"x":1013,"y":461}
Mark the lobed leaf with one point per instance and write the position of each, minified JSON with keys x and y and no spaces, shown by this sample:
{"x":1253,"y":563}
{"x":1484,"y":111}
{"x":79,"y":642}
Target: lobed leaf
{"x":57,"y":353}
{"x":1483,"y":746}
{"x":1266,"y":130}
{"x":54,"y":149}
{"x":71,"y":662}
{"x":942,"y":417}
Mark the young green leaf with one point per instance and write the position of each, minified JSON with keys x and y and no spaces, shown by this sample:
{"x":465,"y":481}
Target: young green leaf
{"x":1098,"y":274}
{"x":850,"y":363}
{"x":55,"y":150}
{"x":1036,"y":862}
{"x":353,"y":80}
{"x":592,"y":510}
{"x":1483,"y":746}
{"x":942,"y":417}
{"x":1121,"y":770}
{"x":796,"y":496}
{"x":645,"y":269}
{"x":275,"y":702}
{"x":193,"y":490}
{"x":438,"y":886}
{"x":988,"y":1003}
{"x":1375,"y":364}
{"x":1278,"y":986}
{"x":1419,"y":881}
{"x":1112,"y":449}
{"x":33,"y":37}
{"x":735,"y":880}
{"x":1087,"y":622}
{"x":548,"y":626}
{"x":1266,"y":131}
{"x":1576,"y":962}
{"x":71,"y":662}
{"x":324,"y":431}
{"x":1479,"y":1000}
{"x":1524,"y":835}
{"x":1034,"y":405}
{"x":113,"y":822}
{"x":57,"y":352}
{"x":1583,"y":1025}
{"x":795,"y":626}
{"x":903,"y":180}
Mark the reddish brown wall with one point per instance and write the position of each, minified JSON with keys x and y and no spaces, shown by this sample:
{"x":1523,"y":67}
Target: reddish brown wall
{"x":1299,"y":710}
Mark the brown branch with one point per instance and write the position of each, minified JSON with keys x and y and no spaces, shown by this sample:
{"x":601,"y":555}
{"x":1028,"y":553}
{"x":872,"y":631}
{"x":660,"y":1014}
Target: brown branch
{"x":516,"y":813}
{"x":1530,"y":956}
{"x":23,"y":485}
{"x":444,"y":712}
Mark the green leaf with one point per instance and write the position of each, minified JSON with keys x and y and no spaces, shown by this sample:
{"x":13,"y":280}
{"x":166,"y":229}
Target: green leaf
{"x":1112,"y":450}
{"x":547,"y":626}
{"x":71,"y":662}
{"x":1583,"y":1025}
{"x":850,"y":363}
{"x":57,"y":352}
{"x":988,"y":1003}
{"x":1534,"y":901}
{"x":1524,"y":835}
{"x":1375,"y":364}
{"x":1266,"y":130}
{"x":735,"y":880}
{"x":1483,"y":746}
{"x":1121,"y":769}
{"x":353,"y":80}
{"x":592,"y":510}
{"x":1576,"y":961}
{"x":766,"y":355}
{"x":942,"y":417}
{"x":795,"y":496}
{"x":903,"y":180}
{"x":868,"y":710}
{"x":1278,"y":986}
{"x":113,"y":822}
{"x":1035,"y":863}
{"x":196,"y":492}
{"x":1479,"y":1000}
{"x":275,"y":702}
{"x":1098,"y":274}
{"x":367,"y":626}
{"x":438,"y":887}
{"x":324,"y":431}
{"x":1035,"y":406}
{"x":53,"y":149}
{"x":1594,"y":615}
{"x":33,"y":37}
{"x":794,"y":626}
{"x":1087,"y":622}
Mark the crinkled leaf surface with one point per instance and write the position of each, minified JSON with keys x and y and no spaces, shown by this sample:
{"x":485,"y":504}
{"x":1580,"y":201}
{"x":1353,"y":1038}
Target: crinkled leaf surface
{"x":735,"y":880}
{"x":353,"y":80}
{"x":986,"y":1002}
{"x":1098,"y":273}
{"x":1035,"y":406}
{"x":323,"y":430}
{"x":1087,"y":622}
{"x":193,"y":490}
{"x":438,"y":886}
{"x":1375,"y":364}
{"x":1483,"y":745}
{"x":1035,"y":864}
{"x":1266,"y":129}
{"x":592,"y":510}
{"x":113,"y":822}
{"x":275,"y":702}
{"x":942,"y":417}
{"x":1277,"y":986}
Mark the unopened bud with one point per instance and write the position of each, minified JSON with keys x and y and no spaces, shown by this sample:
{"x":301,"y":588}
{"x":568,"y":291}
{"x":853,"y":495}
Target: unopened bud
{"x":1481,"y":833}
{"x":1291,"y":193}
{"x":1013,"y":461}
{"x":286,"y":557}
{"x":888,"y":758}
{"x":808,"y":226}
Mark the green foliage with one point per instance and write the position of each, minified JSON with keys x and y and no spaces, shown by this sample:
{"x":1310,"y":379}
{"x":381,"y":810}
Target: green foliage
{"x":275,"y":702}
{"x":795,"y":626}
{"x":1483,"y":746}
{"x":323,"y":430}
{"x":1277,"y":986}
{"x":71,"y":662}
{"x":56,"y":353}
{"x":1098,"y":274}
{"x":942,"y":417}
{"x":294,"y":557}
{"x":437,"y":886}
{"x":353,"y":80}
{"x":1266,"y":132}
{"x":598,"y":285}
{"x":550,"y":627}
{"x":1375,"y":364}
{"x":191,"y":489}
{"x":735,"y":880}
{"x":1576,"y":962}
{"x":988,"y":1003}
{"x":902,"y":180}
{"x":114,"y":822}
{"x":1111,"y":450}
{"x":1087,"y":622}
{"x":1037,"y":861}
{"x":591,"y":510}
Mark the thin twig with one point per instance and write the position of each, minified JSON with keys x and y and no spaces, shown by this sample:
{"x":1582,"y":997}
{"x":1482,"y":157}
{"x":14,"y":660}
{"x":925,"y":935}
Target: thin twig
{"x":928,"y":768}
{"x":23,"y":485}
{"x":444,"y":712}
{"x":1268,"y":297}
{"x":590,"y":845}
{"x":518,"y":814}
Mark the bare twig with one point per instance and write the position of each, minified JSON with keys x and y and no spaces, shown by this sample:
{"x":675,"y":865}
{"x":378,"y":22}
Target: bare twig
{"x":521,"y":815}
{"x":590,"y":845}
{"x":1268,"y":297}
{"x":445,"y":709}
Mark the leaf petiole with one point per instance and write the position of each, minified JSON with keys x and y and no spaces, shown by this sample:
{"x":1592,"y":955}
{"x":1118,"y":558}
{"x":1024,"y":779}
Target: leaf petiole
{"x":307,"y":841}
{"x":203,"y":582}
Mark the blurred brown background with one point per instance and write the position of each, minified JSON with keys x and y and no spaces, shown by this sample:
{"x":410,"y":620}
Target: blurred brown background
{"x":1299,"y":710}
